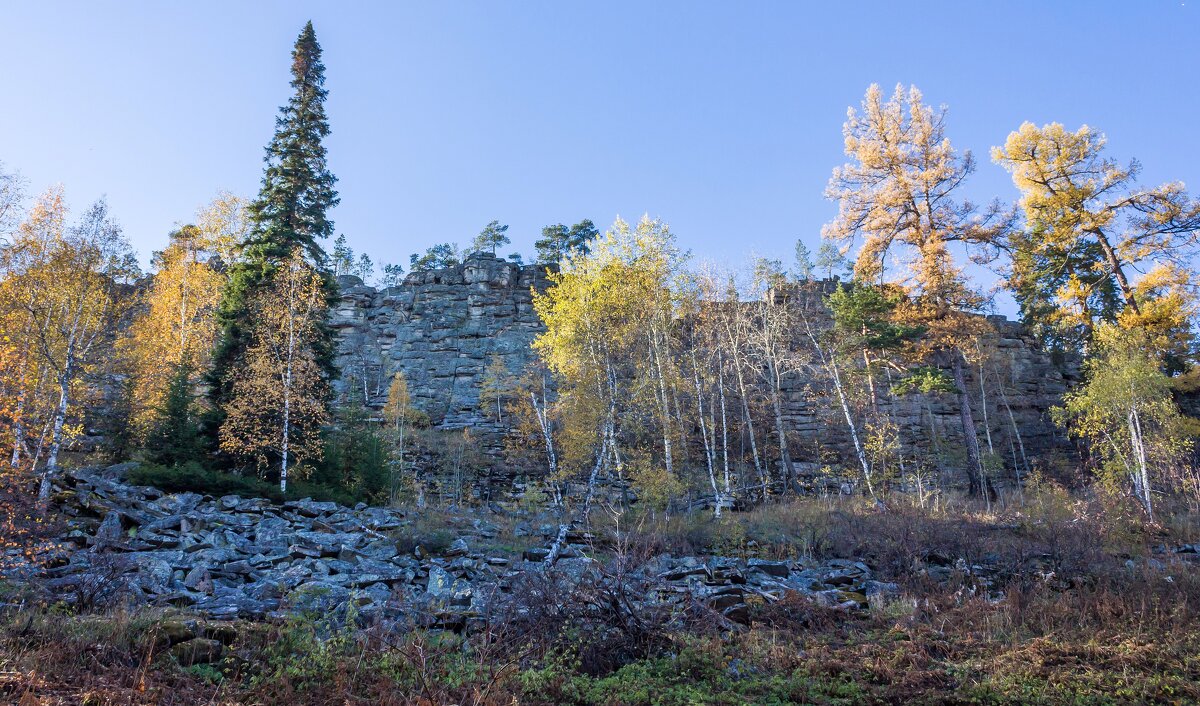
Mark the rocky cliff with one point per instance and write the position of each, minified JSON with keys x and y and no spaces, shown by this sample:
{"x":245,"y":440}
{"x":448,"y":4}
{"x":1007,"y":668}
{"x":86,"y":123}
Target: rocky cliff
{"x":441,"y":328}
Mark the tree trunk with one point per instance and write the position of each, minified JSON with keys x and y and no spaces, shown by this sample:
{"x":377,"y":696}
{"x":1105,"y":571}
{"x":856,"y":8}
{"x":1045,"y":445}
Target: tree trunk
{"x":970,"y":439}
{"x":858,"y":447}
{"x":56,"y":441}
{"x":1016,"y":432}
{"x":1143,"y":475}
{"x":708,"y":445}
{"x":18,"y":429}
{"x":724,"y":425}
{"x":1119,"y":272}
{"x":664,"y":404}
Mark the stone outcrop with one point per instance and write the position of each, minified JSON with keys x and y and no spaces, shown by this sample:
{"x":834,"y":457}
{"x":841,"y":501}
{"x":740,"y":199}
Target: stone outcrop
{"x":442,"y":327}
{"x":232,"y":557}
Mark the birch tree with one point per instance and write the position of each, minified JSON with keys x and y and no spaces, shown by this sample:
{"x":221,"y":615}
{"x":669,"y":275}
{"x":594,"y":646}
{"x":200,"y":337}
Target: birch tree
{"x":1126,"y":413}
{"x":177,"y":325}
{"x":279,"y":390}
{"x":610,"y":342}
{"x":775,"y":355}
{"x":224,"y":224}
{"x":399,"y":413}
{"x":70,"y":286}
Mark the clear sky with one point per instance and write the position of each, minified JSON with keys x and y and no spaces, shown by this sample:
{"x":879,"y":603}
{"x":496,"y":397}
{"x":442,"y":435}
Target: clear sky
{"x":724,"y":118}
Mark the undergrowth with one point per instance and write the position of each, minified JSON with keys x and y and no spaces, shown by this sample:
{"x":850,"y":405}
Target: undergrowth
{"x":1082,"y":610}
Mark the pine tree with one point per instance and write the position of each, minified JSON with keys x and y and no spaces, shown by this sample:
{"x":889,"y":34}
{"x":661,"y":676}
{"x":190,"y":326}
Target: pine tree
{"x":490,"y":238}
{"x":289,"y":215}
{"x":343,"y":257}
{"x":559,"y":242}
{"x":437,"y":257}
{"x":804,"y":262}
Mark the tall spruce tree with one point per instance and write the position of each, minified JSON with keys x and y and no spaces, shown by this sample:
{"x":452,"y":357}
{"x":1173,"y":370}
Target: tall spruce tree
{"x":290,"y":214}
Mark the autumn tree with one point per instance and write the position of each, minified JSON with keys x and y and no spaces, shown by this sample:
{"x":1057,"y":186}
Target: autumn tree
{"x":399,"y":414}
{"x":862,"y":343}
{"x":611,"y":341}
{"x":899,"y":198}
{"x":70,"y":286}
{"x":771,"y":337}
{"x":176,"y":327}
{"x":280,"y":392}
{"x":1125,"y":411}
{"x":224,"y":225}
{"x":1091,"y":229}
{"x":731,"y":323}
{"x":495,"y":387}
{"x":533,"y":412}
{"x":12,"y":194}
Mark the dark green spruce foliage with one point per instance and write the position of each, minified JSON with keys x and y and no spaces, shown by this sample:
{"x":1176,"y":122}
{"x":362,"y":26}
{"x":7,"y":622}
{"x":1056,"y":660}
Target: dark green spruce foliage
{"x":116,"y":425}
{"x":297,"y":188}
{"x":862,"y":318}
{"x":291,"y":212}
{"x":356,"y":456}
{"x":175,"y":439}
{"x":558,"y":241}
{"x":1037,"y":273}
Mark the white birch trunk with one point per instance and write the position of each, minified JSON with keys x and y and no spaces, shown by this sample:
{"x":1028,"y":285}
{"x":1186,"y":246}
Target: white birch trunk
{"x":708,"y":445}
{"x":56,"y":440}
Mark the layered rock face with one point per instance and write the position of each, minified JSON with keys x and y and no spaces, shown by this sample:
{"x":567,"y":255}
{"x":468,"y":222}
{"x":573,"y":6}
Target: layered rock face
{"x":442,"y":327}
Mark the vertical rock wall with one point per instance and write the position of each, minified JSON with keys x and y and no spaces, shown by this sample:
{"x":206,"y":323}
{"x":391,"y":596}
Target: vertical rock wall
{"x":442,"y":327}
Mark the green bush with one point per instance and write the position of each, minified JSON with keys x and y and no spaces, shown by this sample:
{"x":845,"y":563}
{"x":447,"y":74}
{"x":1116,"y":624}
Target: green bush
{"x":428,"y":533}
{"x":194,"y":478}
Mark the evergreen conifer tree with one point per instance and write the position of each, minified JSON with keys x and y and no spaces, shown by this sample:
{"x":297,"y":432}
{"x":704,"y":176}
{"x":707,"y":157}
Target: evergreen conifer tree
{"x":290,"y":214}
{"x":175,"y":438}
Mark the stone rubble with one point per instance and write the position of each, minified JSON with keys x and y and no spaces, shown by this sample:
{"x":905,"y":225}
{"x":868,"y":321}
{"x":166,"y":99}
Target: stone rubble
{"x":246,"y":558}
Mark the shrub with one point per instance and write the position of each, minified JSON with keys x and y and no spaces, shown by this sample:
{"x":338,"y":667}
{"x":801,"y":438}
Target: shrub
{"x":427,"y":532}
{"x":194,"y":478}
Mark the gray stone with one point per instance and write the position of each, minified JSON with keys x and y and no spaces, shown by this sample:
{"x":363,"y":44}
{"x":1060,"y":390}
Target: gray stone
{"x":318,"y":597}
{"x":778,"y":569}
{"x":110,"y":530}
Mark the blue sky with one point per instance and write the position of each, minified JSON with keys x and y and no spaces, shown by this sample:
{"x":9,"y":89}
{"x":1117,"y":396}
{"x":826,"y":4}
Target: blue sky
{"x":724,"y":119}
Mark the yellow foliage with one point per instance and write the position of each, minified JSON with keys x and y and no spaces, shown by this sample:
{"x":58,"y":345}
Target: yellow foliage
{"x":279,"y":395}
{"x":177,"y":324}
